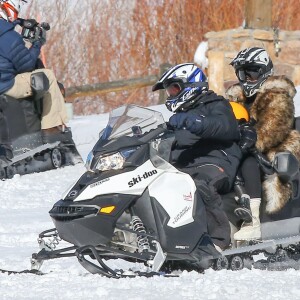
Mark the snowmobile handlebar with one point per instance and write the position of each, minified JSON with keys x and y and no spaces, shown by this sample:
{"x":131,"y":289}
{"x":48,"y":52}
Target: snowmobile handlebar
{"x":265,"y":165}
{"x":284,"y":164}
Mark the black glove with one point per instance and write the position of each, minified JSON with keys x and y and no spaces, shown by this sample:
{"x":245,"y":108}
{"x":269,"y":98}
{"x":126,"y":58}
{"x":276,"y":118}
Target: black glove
{"x":178,"y":120}
{"x":189,"y":121}
{"x":39,"y":35}
{"x":243,"y":210}
{"x":194,"y":124}
{"x":39,"y":64}
{"x":248,"y":137}
{"x":264,"y":163}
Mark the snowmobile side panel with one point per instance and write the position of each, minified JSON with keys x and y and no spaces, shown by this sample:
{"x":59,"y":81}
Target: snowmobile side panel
{"x":181,"y":239}
{"x":27,"y":142}
{"x":21,"y":117}
{"x":290,"y":210}
{"x":280,"y":229}
{"x":178,"y":203}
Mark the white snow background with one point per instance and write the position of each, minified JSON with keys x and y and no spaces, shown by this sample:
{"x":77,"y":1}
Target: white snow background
{"x":24,"y":205}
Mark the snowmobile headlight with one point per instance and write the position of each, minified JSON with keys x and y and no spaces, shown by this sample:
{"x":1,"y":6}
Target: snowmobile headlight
{"x":110,"y":162}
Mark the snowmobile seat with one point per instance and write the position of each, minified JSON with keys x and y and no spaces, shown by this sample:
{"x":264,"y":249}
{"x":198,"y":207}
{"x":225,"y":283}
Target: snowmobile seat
{"x":24,"y":115}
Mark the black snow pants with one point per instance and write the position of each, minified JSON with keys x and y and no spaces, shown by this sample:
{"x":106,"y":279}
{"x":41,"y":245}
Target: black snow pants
{"x":211,"y":181}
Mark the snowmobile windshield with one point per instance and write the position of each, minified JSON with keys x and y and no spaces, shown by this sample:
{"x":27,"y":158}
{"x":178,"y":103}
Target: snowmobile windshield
{"x":130,"y":128}
{"x":131,"y":120}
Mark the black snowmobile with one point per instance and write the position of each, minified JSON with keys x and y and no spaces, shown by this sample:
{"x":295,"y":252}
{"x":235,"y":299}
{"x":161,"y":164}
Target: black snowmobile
{"x":30,"y":152}
{"x":133,"y":204}
{"x":22,"y":118}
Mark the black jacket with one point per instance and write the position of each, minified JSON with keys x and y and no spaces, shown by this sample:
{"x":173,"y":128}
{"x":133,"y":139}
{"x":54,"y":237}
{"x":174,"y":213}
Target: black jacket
{"x":216,"y":144}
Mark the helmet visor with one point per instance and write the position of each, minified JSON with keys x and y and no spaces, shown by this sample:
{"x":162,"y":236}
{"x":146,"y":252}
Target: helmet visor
{"x":248,"y":74}
{"x":173,"y":89}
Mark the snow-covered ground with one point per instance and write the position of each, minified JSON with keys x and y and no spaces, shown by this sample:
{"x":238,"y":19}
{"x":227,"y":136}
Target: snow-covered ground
{"x":24,"y":205}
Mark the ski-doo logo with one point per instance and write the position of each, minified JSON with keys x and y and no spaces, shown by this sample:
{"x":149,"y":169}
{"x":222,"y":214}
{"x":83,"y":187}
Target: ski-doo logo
{"x":139,"y":178}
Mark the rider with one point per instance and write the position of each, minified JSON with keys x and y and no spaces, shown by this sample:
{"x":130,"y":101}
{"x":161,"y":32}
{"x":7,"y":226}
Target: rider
{"x":247,"y":185}
{"x":205,"y":147}
{"x":269,"y":100}
{"x":18,"y":63}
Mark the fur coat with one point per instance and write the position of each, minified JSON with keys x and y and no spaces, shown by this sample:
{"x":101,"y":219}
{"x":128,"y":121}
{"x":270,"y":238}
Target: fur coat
{"x":273,"y":110}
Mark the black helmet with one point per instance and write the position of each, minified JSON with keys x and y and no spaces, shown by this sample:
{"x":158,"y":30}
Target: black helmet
{"x":252,"y":67}
{"x":183,"y":83}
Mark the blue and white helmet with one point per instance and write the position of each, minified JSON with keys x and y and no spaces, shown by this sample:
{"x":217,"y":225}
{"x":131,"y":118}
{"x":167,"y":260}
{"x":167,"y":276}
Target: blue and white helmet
{"x":252,"y":66}
{"x":183,"y":83}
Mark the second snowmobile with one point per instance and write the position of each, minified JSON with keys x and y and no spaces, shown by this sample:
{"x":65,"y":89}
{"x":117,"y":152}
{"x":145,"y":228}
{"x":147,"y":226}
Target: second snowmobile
{"x":30,"y":151}
{"x":134,"y":205}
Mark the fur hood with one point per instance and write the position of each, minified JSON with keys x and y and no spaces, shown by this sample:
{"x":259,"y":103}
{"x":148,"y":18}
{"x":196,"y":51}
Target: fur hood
{"x":273,"y":110}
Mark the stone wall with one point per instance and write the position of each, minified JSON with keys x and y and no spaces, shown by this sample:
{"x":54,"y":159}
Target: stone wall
{"x":283,"y":48}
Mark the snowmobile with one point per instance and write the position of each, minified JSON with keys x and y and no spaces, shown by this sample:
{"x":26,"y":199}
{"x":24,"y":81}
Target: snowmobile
{"x":132,"y":204}
{"x":30,"y":152}
{"x":23,"y":118}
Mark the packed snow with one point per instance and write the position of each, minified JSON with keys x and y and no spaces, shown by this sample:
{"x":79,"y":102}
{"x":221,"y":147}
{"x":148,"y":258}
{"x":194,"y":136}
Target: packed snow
{"x":25,"y":202}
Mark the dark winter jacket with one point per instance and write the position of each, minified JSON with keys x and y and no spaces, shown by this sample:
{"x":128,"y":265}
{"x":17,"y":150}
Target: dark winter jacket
{"x":273,"y":110}
{"x":15,"y":58}
{"x":216,"y":143}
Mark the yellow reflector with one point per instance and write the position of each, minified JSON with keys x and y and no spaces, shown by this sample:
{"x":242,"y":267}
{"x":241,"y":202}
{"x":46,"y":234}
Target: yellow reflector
{"x":107,"y":209}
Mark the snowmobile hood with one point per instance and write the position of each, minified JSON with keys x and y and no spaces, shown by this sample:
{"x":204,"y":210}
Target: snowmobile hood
{"x":107,"y":146}
{"x":5,"y":26}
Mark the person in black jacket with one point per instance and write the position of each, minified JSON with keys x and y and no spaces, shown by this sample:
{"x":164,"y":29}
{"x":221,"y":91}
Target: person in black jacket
{"x":18,"y":63}
{"x":206,"y":136}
